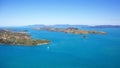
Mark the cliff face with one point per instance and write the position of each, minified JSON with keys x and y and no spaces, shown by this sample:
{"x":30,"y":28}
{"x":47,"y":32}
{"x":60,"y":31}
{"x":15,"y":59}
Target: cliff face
{"x":18,"y":38}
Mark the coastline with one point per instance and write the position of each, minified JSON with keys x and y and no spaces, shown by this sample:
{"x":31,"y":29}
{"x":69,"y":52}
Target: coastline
{"x":19,"y":38}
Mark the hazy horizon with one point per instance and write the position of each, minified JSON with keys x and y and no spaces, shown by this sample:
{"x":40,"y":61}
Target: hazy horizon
{"x":54,"y":25}
{"x":52,"y":12}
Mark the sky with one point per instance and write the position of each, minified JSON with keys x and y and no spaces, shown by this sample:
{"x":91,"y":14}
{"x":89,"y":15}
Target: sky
{"x":50,"y":12}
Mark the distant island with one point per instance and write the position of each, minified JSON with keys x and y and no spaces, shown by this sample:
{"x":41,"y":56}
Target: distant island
{"x":19,"y":38}
{"x":70,"y":30}
{"x":105,"y":26}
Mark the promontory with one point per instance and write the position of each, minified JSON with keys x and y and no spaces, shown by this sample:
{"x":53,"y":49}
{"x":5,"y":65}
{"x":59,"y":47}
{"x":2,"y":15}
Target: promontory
{"x":19,"y":38}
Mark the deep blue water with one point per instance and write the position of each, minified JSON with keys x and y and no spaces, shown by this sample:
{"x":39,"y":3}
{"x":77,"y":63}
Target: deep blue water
{"x":65,"y":51}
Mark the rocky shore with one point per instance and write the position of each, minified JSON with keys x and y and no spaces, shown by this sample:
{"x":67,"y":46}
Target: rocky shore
{"x":19,"y":38}
{"x":71,"y":30}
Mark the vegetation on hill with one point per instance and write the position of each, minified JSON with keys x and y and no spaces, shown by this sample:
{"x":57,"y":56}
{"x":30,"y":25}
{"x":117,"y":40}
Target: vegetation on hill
{"x":19,"y":38}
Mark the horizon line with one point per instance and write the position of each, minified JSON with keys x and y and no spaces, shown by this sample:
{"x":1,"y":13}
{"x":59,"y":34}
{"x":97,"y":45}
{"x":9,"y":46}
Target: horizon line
{"x":60,"y":24}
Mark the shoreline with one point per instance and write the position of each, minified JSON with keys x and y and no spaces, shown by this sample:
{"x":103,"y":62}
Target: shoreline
{"x":18,"y":38}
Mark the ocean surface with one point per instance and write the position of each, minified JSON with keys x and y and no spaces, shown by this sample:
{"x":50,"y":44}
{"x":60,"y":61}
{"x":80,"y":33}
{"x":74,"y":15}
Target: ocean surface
{"x":65,"y":51}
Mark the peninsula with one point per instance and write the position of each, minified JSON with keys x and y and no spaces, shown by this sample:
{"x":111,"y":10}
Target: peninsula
{"x":19,"y":38}
{"x":70,"y":30}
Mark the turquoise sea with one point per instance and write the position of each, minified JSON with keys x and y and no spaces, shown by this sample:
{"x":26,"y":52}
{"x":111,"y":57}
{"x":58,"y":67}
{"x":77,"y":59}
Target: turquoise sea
{"x":65,"y":51}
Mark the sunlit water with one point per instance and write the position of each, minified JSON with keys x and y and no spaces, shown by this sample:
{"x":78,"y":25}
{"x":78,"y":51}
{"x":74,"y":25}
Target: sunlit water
{"x":65,"y":51}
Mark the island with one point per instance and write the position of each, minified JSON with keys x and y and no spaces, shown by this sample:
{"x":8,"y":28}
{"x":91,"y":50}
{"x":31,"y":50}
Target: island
{"x":19,"y":38}
{"x":71,"y":30}
{"x":105,"y":26}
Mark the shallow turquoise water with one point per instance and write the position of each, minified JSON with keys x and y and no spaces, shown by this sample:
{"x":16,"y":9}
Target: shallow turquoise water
{"x":65,"y":51}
